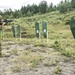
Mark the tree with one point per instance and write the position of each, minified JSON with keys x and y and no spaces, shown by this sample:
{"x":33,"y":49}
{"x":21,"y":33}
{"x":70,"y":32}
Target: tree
{"x":1,"y":12}
{"x":43,"y":7}
{"x":66,"y":6}
{"x":50,"y":8}
{"x":29,"y":13}
{"x":23,"y":10}
{"x":35,"y":8}
{"x":61,"y":2}
{"x":73,"y":3}
{"x":54,"y":8}
{"x":28,"y":8}
{"x":17,"y":14}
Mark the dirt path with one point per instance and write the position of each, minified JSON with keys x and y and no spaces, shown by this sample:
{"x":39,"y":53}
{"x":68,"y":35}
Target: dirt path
{"x":21,"y":59}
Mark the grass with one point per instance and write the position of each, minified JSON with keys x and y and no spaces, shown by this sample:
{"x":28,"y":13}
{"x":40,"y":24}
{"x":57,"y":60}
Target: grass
{"x":60,"y":40}
{"x":31,"y":58}
{"x":57,"y":70}
{"x":50,"y":63}
{"x":56,"y":26}
{"x":59,"y":34}
{"x":66,"y":47}
{"x":16,"y":68}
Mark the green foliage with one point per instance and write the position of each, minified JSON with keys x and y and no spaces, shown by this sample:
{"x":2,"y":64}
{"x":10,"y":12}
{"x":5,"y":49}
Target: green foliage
{"x":41,"y":44}
{"x":51,"y":8}
{"x":29,"y":14}
{"x":42,"y":7}
{"x":50,"y":63}
{"x":65,"y":47}
{"x":73,"y":3}
{"x":16,"y":68}
{"x":64,"y":7}
{"x":23,"y":10}
{"x":57,"y":70}
{"x":35,"y":8}
{"x":36,"y":61}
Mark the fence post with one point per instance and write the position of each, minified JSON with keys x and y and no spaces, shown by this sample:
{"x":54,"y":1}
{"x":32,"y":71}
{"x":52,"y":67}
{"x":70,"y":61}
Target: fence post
{"x":72,"y":26}
{"x":37,"y":30}
{"x":1,"y":32}
{"x":13,"y":30}
{"x":44,"y":28}
{"x":19,"y":31}
{"x":0,"y":50}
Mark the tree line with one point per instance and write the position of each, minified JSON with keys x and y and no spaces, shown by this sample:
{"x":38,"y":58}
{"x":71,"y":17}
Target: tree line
{"x":41,"y":8}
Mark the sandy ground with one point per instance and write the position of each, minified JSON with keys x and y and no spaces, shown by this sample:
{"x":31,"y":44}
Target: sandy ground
{"x":53,"y":63}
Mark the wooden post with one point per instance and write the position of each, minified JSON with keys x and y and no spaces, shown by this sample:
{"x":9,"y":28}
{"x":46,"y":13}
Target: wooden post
{"x":19,"y":32}
{"x":47,"y":33}
{"x":37,"y":30}
{"x":0,"y":50}
{"x":45,"y":30}
{"x":72,"y":26}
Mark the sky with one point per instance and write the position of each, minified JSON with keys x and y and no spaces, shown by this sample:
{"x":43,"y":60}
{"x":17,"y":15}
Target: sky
{"x":17,"y":4}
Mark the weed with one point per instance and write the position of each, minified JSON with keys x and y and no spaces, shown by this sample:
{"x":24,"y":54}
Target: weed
{"x":31,"y":58}
{"x":65,"y":48}
{"x":50,"y":63}
{"x":26,"y":52}
{"x":15,"y":52}
{"x":16,"y":68}
{"x":40,"y":45}
{"x":34,"y":62}
{"x":57,"y":70}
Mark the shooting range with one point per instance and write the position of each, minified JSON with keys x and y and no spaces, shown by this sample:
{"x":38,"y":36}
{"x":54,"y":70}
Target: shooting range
{"x":72,"y":26}
{"x":16,"y":29}
{"x":37,"y":37}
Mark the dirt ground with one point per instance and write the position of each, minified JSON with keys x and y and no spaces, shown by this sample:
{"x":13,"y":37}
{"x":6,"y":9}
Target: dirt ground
{"x":15,"y":60}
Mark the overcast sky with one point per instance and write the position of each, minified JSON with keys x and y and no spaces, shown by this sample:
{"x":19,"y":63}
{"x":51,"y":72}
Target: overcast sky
{"x":16,"y":4}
